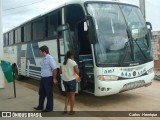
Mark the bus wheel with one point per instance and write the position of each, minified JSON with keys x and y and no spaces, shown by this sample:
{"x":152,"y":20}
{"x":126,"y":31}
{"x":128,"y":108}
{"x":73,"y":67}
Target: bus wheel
{"x":15,"y":74}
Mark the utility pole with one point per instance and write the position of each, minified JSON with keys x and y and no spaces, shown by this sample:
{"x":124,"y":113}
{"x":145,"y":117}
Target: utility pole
{"x":143,"y":7}
{"x":1,"y":35}
{"x":2,"y":83}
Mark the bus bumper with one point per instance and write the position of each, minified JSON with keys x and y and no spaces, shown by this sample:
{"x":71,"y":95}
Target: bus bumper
{"x":104,"y":88}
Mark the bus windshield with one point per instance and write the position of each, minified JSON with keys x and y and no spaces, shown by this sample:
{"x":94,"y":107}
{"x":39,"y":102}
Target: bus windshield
{"x":112,"y":22}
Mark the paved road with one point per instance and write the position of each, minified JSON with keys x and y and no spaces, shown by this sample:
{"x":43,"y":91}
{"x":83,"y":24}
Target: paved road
{"x":142,"y":99}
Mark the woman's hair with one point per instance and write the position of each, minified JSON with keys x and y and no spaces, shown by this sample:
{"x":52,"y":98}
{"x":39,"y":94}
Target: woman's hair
{"x":44,"y":49}
{"x":67,"y":56}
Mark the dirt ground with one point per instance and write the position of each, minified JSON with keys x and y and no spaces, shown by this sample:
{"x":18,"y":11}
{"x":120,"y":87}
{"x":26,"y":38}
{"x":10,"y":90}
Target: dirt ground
{"x":141,"y":99}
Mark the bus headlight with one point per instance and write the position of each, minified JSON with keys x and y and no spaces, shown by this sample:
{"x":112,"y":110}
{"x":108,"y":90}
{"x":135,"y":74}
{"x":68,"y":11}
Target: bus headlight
{"x":105,"y":78}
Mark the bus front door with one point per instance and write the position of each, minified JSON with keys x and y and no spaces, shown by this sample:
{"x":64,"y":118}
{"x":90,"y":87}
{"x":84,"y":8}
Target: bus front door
{"x":64,"y":43}
{"x":85,"y":57}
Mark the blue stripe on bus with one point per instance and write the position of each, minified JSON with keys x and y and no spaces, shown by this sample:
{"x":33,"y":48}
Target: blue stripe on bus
{"x":29,"y":55}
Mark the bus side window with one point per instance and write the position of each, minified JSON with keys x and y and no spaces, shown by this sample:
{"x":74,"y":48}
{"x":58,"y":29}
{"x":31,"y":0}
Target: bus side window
{"x":18,"y":34}
{"x":11,"y":38}
{"x":6,"y":39}
{"x":38,"y":29}
{"x":27,"y":32}
{"x":73,"y":14}
{"x":52,"y":21}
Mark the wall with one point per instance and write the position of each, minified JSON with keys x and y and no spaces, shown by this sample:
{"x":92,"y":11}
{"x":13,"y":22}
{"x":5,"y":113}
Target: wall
{"x":156,"y":48}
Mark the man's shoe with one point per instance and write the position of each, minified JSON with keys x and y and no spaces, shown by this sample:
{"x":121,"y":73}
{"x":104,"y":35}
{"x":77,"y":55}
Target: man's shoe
{"x":38,"y":108}
{"x":46,"y":110}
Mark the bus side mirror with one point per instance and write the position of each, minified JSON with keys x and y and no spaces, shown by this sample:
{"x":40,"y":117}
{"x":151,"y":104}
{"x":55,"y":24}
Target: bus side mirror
{"x":92,"y":35}
{"x":149,"y":25}
{"x":91,"y":30}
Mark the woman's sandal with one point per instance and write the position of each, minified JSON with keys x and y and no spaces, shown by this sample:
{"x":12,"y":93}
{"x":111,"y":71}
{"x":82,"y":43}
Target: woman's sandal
{"x":72,"y":112}
{"x":64,"y":112}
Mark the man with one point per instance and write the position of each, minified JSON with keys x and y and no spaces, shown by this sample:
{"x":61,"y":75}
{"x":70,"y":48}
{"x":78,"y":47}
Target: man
{"x":48,"y":78}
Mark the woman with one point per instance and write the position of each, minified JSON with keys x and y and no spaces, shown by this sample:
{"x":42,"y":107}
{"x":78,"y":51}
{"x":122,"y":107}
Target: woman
{"x":69,"y":71}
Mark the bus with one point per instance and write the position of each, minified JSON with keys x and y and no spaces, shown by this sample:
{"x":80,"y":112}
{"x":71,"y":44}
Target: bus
{"x":111,"y":41}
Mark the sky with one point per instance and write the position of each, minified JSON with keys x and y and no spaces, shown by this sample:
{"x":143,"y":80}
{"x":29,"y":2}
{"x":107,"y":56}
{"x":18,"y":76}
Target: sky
{"x":15,"y":12}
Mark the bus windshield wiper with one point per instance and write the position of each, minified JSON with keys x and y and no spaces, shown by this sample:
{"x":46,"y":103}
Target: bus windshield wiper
{"x":135,"y":40}
{"x":130,"y":38}
{"x":125,"y":53}
{"x":128,"y":43}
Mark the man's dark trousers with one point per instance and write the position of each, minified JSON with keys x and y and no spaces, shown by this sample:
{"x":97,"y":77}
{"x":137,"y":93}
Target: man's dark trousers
{"x":46,"y":90}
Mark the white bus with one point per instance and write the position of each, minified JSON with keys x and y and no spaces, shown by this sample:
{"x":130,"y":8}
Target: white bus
{"x":110,"y":39}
